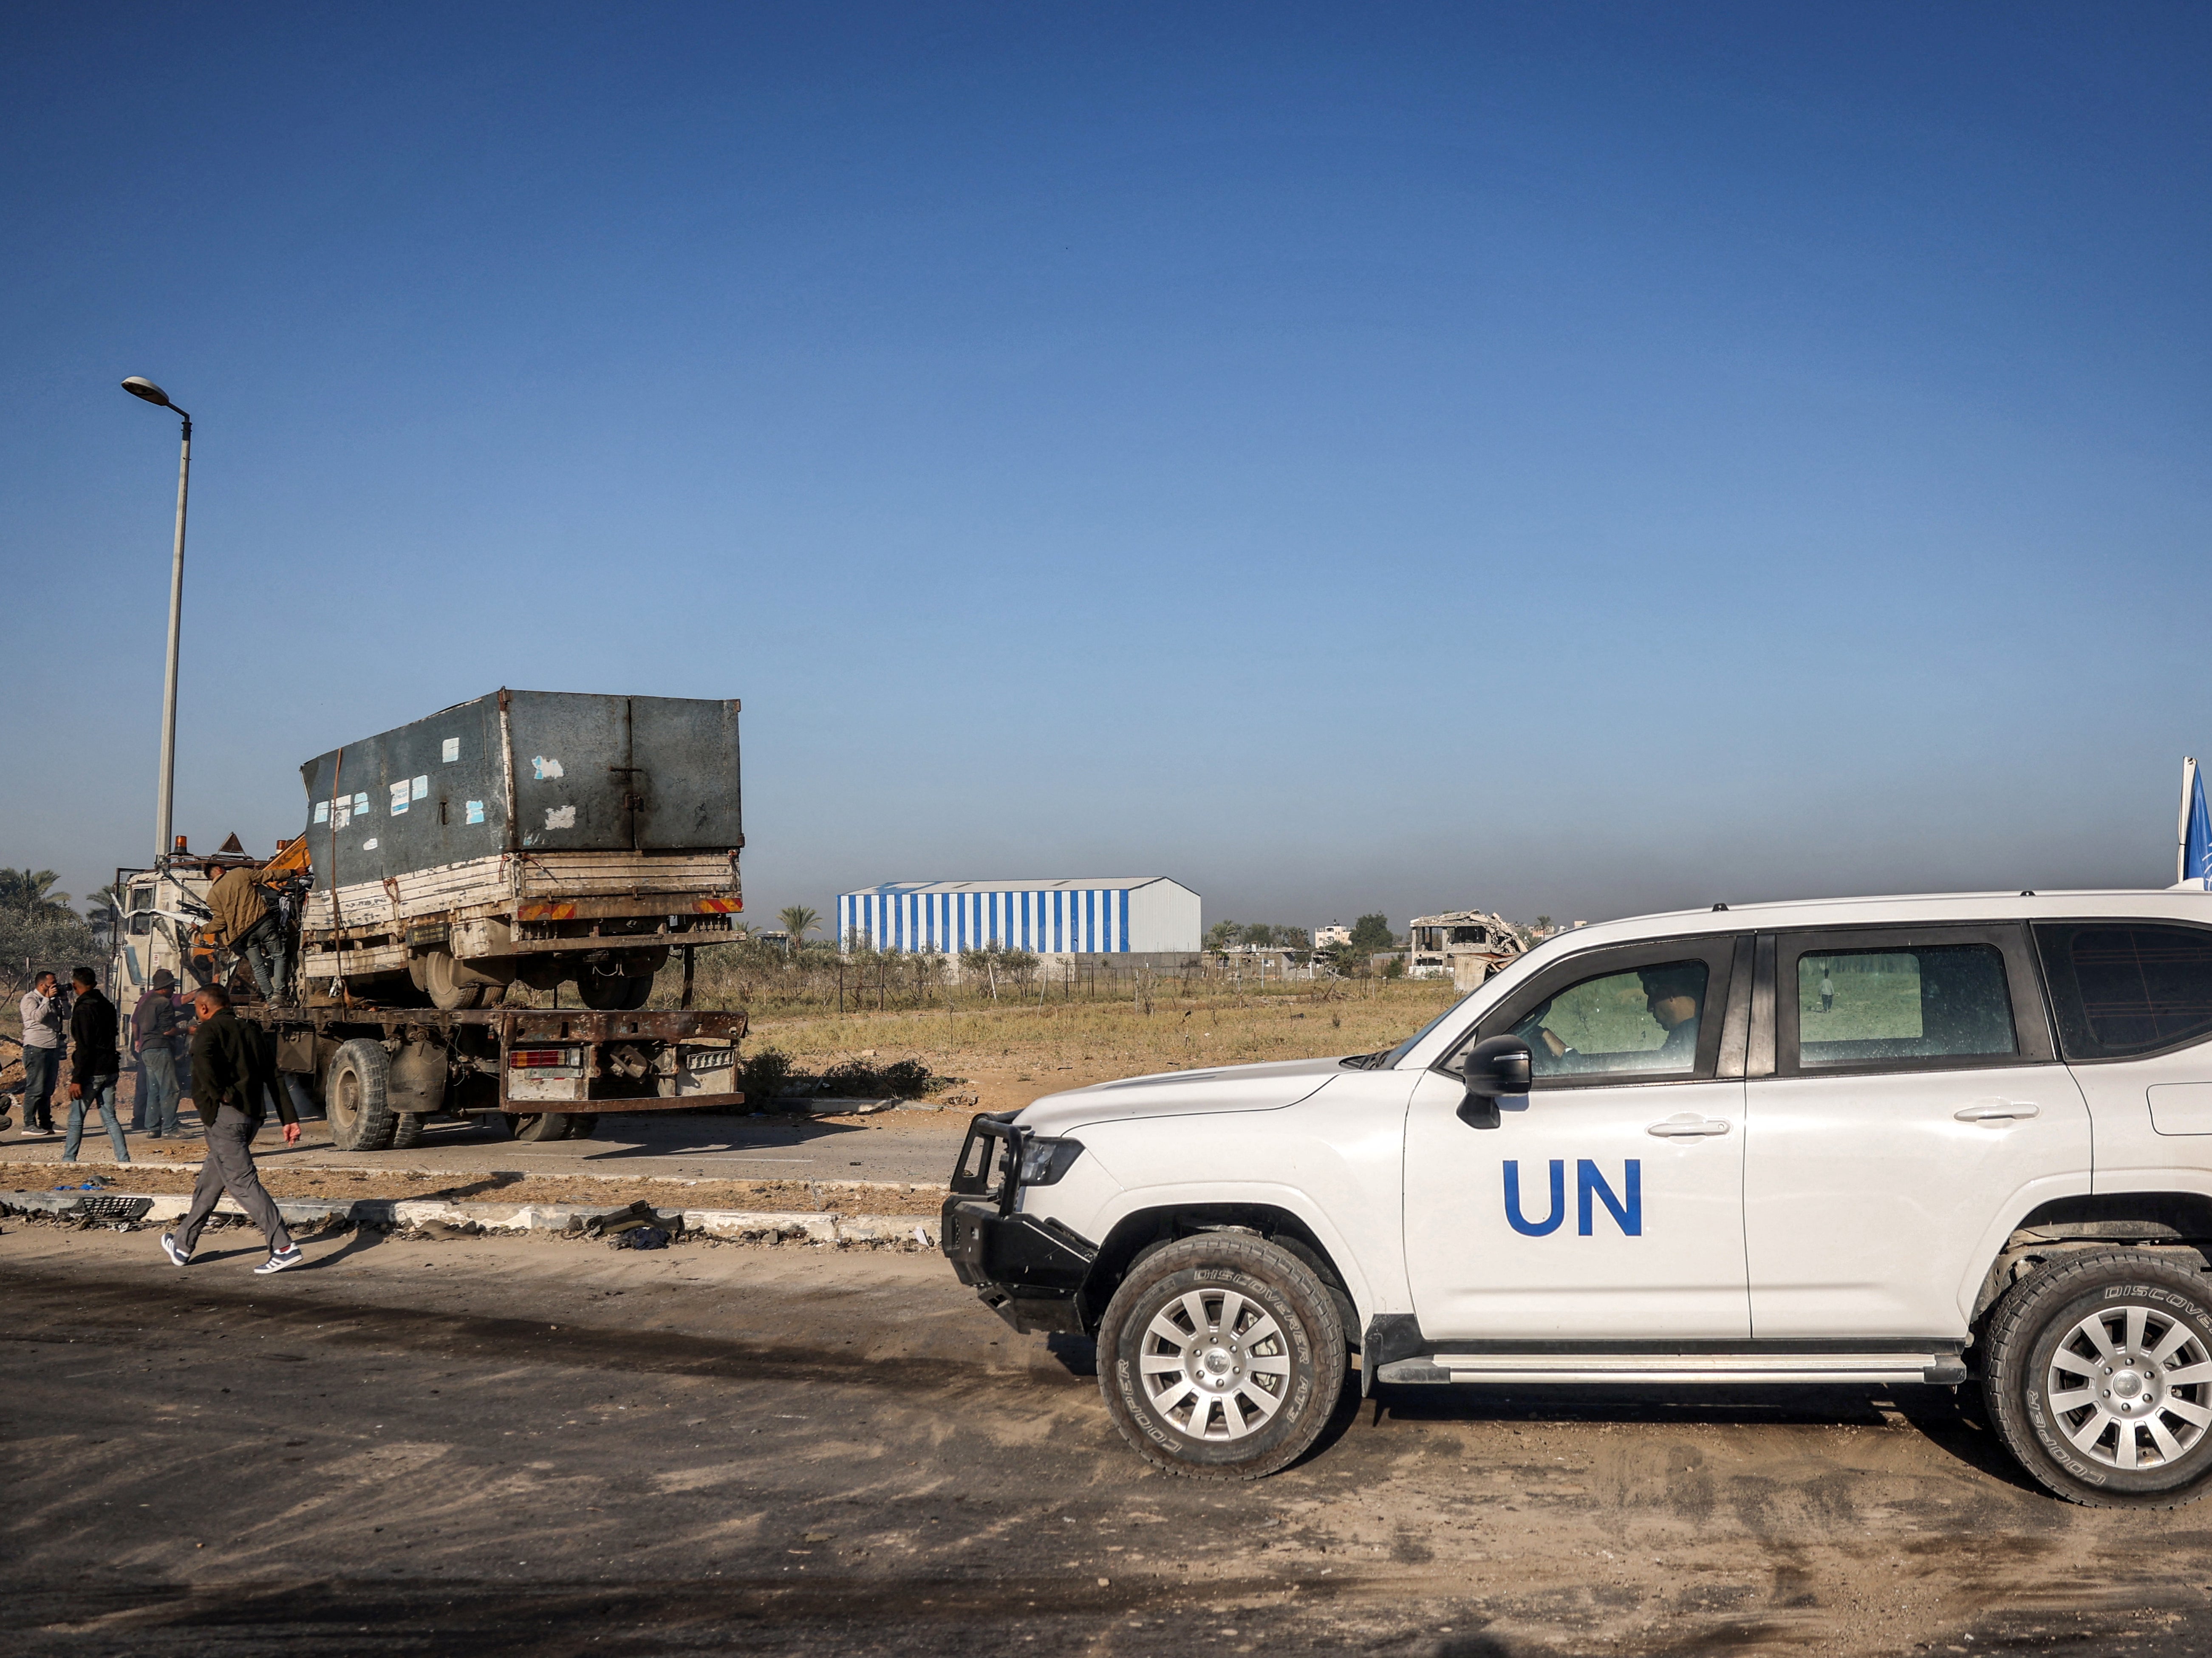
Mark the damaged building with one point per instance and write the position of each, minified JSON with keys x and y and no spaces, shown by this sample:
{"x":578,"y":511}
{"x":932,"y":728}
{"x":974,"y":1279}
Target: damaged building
{"x":1464,"y":945}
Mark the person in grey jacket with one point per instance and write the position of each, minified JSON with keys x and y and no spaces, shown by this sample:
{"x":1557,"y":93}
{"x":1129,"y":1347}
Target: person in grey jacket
{"x":42,"y":1053}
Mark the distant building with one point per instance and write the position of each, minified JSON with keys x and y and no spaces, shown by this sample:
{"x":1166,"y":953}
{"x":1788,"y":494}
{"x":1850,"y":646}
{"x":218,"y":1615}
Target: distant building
{"x":1464,"y":945}
{"x":1334,"y":933}
{"x":1100,"y":915}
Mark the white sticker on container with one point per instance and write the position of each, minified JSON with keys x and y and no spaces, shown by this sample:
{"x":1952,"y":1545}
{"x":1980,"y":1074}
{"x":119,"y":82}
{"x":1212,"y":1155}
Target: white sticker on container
{"x":322,"y":812}
{"x":399,"y":797}
{"x":475,"y":810}
{"x":369,"y":845}
{"x":342,"y":814}
{"x":451,"y":751}
{"x":545,"y":768}
{"x":560,"y":818}
{"x":421,"y":786}
{"x":361,"y":805}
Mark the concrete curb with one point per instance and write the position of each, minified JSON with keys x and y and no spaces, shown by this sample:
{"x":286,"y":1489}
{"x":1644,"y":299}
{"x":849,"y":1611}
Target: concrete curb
{"x":733,"y":1226}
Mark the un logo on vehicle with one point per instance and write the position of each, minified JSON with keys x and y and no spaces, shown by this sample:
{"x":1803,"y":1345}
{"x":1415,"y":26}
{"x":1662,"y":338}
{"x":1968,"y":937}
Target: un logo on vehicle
{"x":1628,"y":1210}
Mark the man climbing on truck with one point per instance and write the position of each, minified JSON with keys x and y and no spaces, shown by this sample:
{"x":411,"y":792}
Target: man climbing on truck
{"x":247,"y":923}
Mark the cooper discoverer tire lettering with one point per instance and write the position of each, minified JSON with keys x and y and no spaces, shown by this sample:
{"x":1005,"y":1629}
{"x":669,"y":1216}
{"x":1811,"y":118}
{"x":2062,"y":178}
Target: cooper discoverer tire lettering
{"x":2100,"y":1378}
{"x":1221,"y":1356}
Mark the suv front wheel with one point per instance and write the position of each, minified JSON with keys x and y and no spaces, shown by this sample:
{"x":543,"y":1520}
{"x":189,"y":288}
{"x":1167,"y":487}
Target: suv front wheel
{"x":1221,"y":1356}
{"x":2100,"y":1378}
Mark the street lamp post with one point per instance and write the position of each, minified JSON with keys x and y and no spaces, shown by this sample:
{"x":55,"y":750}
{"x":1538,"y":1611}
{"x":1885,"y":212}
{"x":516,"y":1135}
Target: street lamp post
{"x":154,"y":394}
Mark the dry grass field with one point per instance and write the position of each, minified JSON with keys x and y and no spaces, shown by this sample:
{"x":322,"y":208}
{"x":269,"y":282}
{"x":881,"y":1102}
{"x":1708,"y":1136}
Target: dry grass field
{"x":1009,"y":1053}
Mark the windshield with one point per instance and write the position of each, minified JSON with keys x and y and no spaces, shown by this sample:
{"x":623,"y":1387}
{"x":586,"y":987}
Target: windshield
{"x":1388,"y":1057}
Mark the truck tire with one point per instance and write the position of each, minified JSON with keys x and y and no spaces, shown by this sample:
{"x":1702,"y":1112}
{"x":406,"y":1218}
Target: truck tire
{"x":2100,"y":1378}
{"x":603,"y":994}
{"x":407,"y":1130}
{"x":355,"y":1097}
{"x":582,"y":1125}
{"x":443,"y":982}
{"x":540,"y":1127}
{"x":1221,"y":1356}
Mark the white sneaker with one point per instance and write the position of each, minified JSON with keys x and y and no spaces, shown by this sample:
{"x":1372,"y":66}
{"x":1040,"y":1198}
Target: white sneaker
{"x":177,"y":1257}
{"x":281,"y":1259}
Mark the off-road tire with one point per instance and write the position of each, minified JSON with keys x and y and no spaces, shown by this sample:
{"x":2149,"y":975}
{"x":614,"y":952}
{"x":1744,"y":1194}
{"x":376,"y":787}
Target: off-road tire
{"x":582,"y":1125}
{"x":355,"y":1099}
{"x":539,"y":1128}
{"x":407,"y":1130}
{"x":613,"y":995}
{"x":1288,"y":1316}
{"x":2049,"y":1310}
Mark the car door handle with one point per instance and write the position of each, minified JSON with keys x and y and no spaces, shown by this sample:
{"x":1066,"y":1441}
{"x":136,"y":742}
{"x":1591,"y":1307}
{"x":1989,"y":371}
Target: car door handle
{"x":1996,"y":1111}
{"x":1688,"y":1125}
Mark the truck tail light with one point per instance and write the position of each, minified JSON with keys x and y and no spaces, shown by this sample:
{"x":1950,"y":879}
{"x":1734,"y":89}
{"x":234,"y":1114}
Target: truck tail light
{"x":530,"y":1059}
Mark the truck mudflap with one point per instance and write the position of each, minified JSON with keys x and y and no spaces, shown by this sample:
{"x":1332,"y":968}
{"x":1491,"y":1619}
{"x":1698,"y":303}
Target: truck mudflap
{"x":1030,"y":1271}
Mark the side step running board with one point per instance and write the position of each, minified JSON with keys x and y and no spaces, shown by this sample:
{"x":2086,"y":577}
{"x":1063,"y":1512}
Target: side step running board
{"x":1936,"y":1370}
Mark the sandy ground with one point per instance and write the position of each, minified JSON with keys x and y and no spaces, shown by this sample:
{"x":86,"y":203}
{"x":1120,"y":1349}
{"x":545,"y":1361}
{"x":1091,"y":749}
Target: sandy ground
{"x":557,"y":1448}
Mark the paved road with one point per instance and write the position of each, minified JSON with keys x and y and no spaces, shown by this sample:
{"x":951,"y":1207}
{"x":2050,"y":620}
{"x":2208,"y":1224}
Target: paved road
{"x":893,"y":1145}
{"x":554,"y":1449}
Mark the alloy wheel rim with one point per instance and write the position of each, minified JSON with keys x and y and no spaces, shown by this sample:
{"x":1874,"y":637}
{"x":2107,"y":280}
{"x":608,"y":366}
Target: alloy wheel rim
{"x":1215,"y":1365}
{"x":2130,"y":1388}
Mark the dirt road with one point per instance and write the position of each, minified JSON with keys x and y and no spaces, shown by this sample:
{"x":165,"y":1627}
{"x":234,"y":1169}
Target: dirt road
{"x":494,"y":1448}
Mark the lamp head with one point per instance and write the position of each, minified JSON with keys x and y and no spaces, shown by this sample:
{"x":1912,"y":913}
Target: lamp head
{"x":138,"y":386}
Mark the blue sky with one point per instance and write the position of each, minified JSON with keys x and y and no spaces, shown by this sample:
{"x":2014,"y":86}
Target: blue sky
{"x":1568,"y":459}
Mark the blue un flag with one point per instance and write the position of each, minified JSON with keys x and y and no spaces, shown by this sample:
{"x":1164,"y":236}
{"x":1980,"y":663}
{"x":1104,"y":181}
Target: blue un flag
{"x":2196,"y":830}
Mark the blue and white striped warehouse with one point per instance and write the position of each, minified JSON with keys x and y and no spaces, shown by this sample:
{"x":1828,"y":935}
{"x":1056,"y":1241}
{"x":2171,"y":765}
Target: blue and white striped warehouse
{"x":1107,"y":915}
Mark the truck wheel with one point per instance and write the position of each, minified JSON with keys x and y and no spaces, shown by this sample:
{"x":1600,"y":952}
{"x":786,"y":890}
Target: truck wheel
{"x":442,"y":984}
{"x":2100,"y":1378}
{"x":613,"y":995}
{"x":543,"y":1126}
{"x":582,"y":1125}
{"x":353,"y":1096}
{"x":1221,"y":1356}
{"x":407,"y":1130}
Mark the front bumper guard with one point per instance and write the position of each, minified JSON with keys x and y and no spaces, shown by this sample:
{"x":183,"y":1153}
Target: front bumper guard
{"x":1030,"y":1271}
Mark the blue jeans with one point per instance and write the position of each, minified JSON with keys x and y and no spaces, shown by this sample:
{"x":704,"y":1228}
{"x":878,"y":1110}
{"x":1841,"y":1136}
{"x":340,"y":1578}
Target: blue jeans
{"x":101,"y":1089}
{"x":160,"y":1070}
{"x":42,"y":1068}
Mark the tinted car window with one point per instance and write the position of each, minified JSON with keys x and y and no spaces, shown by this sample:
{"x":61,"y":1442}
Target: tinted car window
{"x":1876,"y":1006}
{"x":2127,"y":988}
{"x":1645,"y":1019}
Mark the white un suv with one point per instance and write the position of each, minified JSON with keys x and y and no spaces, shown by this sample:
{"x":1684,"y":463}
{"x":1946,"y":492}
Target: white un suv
{"x":1858,"y":1141}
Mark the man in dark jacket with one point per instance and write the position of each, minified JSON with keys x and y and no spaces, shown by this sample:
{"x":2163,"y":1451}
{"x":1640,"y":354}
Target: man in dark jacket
{"x":231,"y":1072}
{"x":94,"y":1064}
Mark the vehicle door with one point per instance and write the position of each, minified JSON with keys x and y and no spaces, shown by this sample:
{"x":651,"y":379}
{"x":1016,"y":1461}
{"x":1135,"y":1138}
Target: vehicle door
{"x":1607,"y":1203}
{"x":2133,"y":1000}
{"x":1910,"y":1110}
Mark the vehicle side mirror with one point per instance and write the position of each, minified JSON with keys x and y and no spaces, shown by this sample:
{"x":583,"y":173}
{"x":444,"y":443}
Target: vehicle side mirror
{"x":1494,"y":1065}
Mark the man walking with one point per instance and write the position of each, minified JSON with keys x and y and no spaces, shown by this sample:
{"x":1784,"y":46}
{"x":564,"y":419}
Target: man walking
{"x":155,"y":1030}
{"x":42,"y":1053}
{"x":229,"y":1078}
{"x":95,"y":1065}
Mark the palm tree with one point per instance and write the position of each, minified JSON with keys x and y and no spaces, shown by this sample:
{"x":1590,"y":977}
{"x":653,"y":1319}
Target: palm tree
{"x":799,"y":921}
{"x":32,"y":892}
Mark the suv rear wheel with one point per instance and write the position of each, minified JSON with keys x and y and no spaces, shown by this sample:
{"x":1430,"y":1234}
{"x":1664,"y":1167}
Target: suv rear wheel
{"x":2100,"y":1378}
{"x":1221,"y":1356}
